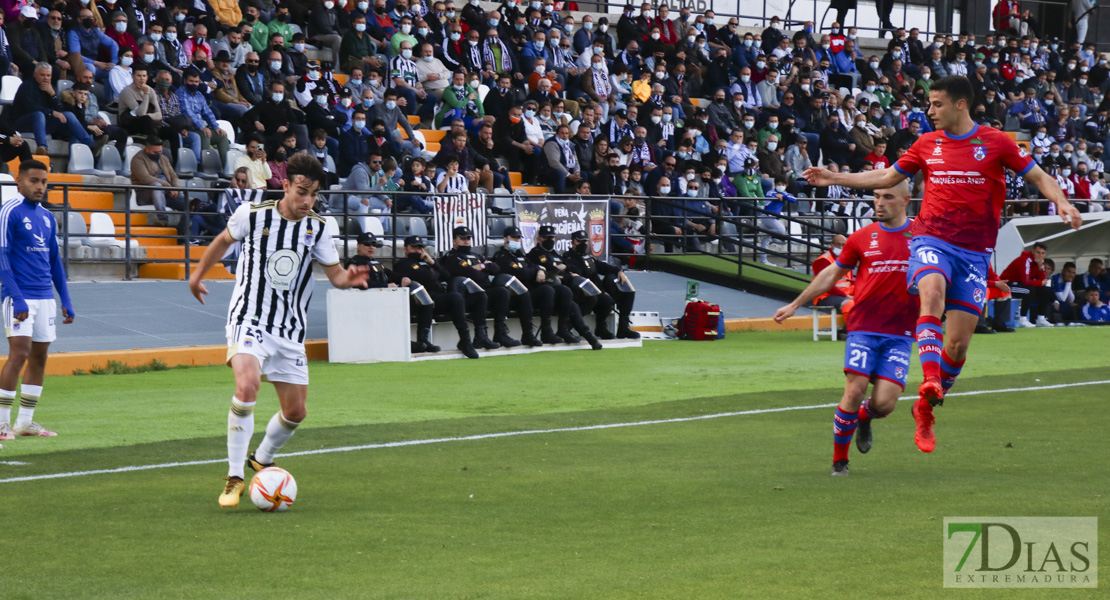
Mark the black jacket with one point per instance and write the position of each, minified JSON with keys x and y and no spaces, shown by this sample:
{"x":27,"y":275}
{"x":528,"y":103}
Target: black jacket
{"x":517,"y":265}
{"x":464,"y":262}
{"x":429,"y":276}
{"x":272,"y":115}
{"x":589,"y":267}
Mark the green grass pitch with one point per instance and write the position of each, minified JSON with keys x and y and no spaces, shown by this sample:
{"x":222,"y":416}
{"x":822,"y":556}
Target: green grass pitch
{"x":726,"y":507}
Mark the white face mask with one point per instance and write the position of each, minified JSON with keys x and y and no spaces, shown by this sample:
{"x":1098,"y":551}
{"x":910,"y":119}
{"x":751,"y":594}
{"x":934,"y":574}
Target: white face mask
{"x":835,"y":251}
{"x":747,"y":124}
{"x":405,"y":29}
{"x":690,"y":177}
{"x":772,"y":146}
{"x":126,"y":61}
{"x":665,"y":190}
{"x":655,"y":36}
{"x":780,"y":188}
{"x":656,"y":120}
{"x":406,"y":53}
{"x":745,"y":78}
{"x":121,"y":26}
{"x":346,"y":102}
{"x":276,"y":97}
{"x":358,"y":125}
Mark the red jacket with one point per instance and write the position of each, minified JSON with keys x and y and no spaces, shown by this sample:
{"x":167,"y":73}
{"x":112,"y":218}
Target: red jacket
{"x":1001,"y":13}
{"x":667,"y":33}
{"x":1025,"y":271}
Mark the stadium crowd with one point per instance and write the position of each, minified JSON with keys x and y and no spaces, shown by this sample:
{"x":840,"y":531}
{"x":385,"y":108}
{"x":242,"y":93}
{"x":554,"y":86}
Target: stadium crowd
{"x":652,"y":102}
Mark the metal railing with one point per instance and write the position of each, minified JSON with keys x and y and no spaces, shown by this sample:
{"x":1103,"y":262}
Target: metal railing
{"x":736,"y":236}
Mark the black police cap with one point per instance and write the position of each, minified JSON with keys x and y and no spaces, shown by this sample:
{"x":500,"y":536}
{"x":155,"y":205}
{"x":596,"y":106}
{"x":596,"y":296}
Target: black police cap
{"x":462,"y":231}
{"x":513,"y":231}
{"x":546,"y":231}
{"x":579,"y":236}
{"x":369,"y":239}
{"x":414,"y":240}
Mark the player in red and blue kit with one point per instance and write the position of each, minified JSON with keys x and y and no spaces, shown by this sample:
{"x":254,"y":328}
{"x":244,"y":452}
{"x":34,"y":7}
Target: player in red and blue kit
{"x":30,"y":270}
{"x":965,"y":188}
{"x":880,"y":325}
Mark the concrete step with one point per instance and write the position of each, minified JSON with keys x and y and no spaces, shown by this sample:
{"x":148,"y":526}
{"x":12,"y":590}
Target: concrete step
{"x":83,"y":200}
{"x":177,"y":271}
{"x":145,"y":241}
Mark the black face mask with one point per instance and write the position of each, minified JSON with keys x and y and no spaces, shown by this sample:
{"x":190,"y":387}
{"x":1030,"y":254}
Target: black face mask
{"x":379,"y":133}
{"x":415,"y":255}
{"x":548,"y":245}
{"x":88,"y":23}
{"x":249,"y":17}
{"x":252,"y":68}
{"x":283,"y":17}
{"x":582,"y":249}
{"x":380,"y":10}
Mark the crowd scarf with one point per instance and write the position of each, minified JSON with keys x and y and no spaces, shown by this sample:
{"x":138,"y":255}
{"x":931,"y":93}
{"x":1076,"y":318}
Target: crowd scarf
{"x":556,"y":59}
{"x":464,"y":96}
{"x":601,"y":82}
{"x":475,"y":52}
{"x":569,"y":156}
{"x":656,"y":100}
{"x":487,"y":52}
{"x":423,"y":10}
{"x":641,"y":154}
{"x":668,"y":130}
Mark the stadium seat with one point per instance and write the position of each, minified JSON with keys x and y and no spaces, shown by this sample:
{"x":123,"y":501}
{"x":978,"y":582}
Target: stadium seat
{"x":8,"y":192}
{"x":75,"y":223}
{"x":186,"y":163}
{"x":110,"y":117}
{"x":64,"y":85}
{"x":133,"y":204}
{"x":210,"y":166}
{"x":110,"y":159}
{"x":417,"y":226}
{"x":81,"y":162}
{"x":483,"y":90}
{"x":196,"y":184}
{"x":503,"y":201}
{"x":101,"y":225}
{"x":8,"y":86}
{"x":229,"y":130}
{"x":432,"y":135}
{"x":229,"y":168}
{"x":132,"y":150}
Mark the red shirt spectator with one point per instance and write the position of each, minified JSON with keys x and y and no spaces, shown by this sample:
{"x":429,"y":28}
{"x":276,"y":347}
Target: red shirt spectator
{"x":1082,"y":186}
{"x":125,"y":40}
{"x":1003,"y":11}
{"x":836,"y":42}
{"x":667,"y":33}
{"x":1027,"y":270}
{"x":879,"y":160}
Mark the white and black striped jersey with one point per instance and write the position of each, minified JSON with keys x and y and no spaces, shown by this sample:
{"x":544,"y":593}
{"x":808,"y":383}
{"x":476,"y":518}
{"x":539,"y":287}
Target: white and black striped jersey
{"x":273,"y":283}
{"x":455,"y":185}
{"x":403,"y":69}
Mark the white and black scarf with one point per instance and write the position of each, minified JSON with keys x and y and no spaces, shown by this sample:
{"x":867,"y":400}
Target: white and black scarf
{"x":475,"y":55}
{"x":506,"y":61}
{"x":601,"y":82}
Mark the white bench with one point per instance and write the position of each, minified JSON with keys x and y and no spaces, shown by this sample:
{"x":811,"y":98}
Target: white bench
{"x":817,"y":330}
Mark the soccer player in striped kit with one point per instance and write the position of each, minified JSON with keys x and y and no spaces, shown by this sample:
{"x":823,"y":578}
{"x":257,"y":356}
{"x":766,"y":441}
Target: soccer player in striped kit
{"x":30,"y":270}
{"x":880,"y":325}
{"x":965,"y":188}
{"x":266,"y":318}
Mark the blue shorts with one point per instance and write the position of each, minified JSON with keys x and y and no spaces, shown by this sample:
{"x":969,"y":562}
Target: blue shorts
{"x":964,"y":270}
{"x":878,"y":356}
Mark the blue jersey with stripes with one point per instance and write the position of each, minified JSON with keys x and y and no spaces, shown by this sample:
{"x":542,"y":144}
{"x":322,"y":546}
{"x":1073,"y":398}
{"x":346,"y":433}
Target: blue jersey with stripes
{"x":30,"y":263}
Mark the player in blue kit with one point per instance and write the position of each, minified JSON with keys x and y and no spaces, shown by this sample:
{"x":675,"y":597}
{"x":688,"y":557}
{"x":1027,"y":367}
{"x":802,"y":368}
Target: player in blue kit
{"x":30,"y":270}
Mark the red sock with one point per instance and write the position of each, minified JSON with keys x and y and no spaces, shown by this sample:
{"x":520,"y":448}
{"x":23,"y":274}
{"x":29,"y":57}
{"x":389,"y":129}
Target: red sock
{"x":844,"y":425}
{"x":930,"y":342}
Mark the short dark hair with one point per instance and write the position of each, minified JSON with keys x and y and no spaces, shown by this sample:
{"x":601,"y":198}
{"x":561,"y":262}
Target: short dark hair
{"x":957,"y":87}
{"x":28,"y":165}
{"x":1069,"y":264}
{"x":306,"y":166}
{"x":1090,"y":288}
{"x":153,"y":141}
{"x":1041,"y":246}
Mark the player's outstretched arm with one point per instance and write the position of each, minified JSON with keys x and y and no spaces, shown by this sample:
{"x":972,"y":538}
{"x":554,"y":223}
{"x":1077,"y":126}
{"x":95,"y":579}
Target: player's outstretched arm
{"x":1051,"y":190}
{"x":824,"y":282}
{"x":212,"y":255}
{"x":354,"y":275}
{"x":868,"y":180}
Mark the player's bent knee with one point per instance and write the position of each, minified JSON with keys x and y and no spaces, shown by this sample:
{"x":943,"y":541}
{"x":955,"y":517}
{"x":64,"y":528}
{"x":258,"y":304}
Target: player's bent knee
{"x":246,"y":391}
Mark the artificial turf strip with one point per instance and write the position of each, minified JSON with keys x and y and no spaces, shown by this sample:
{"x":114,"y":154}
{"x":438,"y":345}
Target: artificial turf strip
{"x":737,"y":507}
{"x":180,"y":404}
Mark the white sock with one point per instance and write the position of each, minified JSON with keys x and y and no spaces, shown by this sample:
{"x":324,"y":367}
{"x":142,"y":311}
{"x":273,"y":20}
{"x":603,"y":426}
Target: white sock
{"x":28,"y":399}
{"x":7,"y":399}
{"x":240,"y":428}
{"x":278,"y":431}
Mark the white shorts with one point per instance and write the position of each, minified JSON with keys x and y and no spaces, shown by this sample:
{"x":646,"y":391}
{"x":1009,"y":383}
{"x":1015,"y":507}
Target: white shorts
{"x":39,"y":324}
{"x":280,"y":359}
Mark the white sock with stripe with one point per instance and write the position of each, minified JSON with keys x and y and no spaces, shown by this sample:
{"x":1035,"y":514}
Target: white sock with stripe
{"x":240,"y":428}
{"x":278,"y":431}
{"x":7,"y":399}
{"x":28,"y":399}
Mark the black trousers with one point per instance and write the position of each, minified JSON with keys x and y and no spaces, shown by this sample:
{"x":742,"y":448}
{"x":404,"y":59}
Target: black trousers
{"x":497,"y":300}
{"x":542,"y":299}
{"x":524,"y":309}
{"x":1035,"y":302}
{"x":451,"y":304}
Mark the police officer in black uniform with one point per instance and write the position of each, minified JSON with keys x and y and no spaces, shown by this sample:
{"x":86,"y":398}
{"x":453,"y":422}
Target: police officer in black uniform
{"x":380,"y":277}
{"x":543,"y":255}
{"x":462,"y":261}
{"x":609,"y":279}
{"x":511,"y":260}
{"x":418,"y":266}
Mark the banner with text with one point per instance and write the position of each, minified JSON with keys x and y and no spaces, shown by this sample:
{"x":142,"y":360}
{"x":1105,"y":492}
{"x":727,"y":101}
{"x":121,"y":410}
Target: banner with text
{"x":566,"y":216}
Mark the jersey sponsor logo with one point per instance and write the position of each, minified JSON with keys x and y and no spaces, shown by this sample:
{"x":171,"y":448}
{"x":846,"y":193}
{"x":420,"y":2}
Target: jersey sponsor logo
{"x":282,"y":268}
{"x":936,"y":149}
{"x":27,"y":223}
{"x":980,"y":152}
{"x":899,"y":372}
{"x":898,"y":358}
{"x":977,"y":295}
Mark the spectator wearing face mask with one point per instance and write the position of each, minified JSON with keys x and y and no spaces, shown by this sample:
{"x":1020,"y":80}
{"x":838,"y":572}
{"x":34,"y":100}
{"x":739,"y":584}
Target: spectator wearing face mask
{"x":768,"y":221}
{"x":86,"y":39}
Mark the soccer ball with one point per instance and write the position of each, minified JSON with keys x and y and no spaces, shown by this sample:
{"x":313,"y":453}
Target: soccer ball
{"x":273,"y":489}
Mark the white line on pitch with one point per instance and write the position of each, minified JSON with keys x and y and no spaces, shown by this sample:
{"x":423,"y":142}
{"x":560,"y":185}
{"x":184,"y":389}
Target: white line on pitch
{"x":504,"y":434}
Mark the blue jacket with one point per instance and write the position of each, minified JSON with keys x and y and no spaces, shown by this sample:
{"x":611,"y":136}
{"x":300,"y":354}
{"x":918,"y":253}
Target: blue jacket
{"x":87,"y":43}
{"x":30,"y":263}
{"x":842,"y":62}
{"x":775,"y":204}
